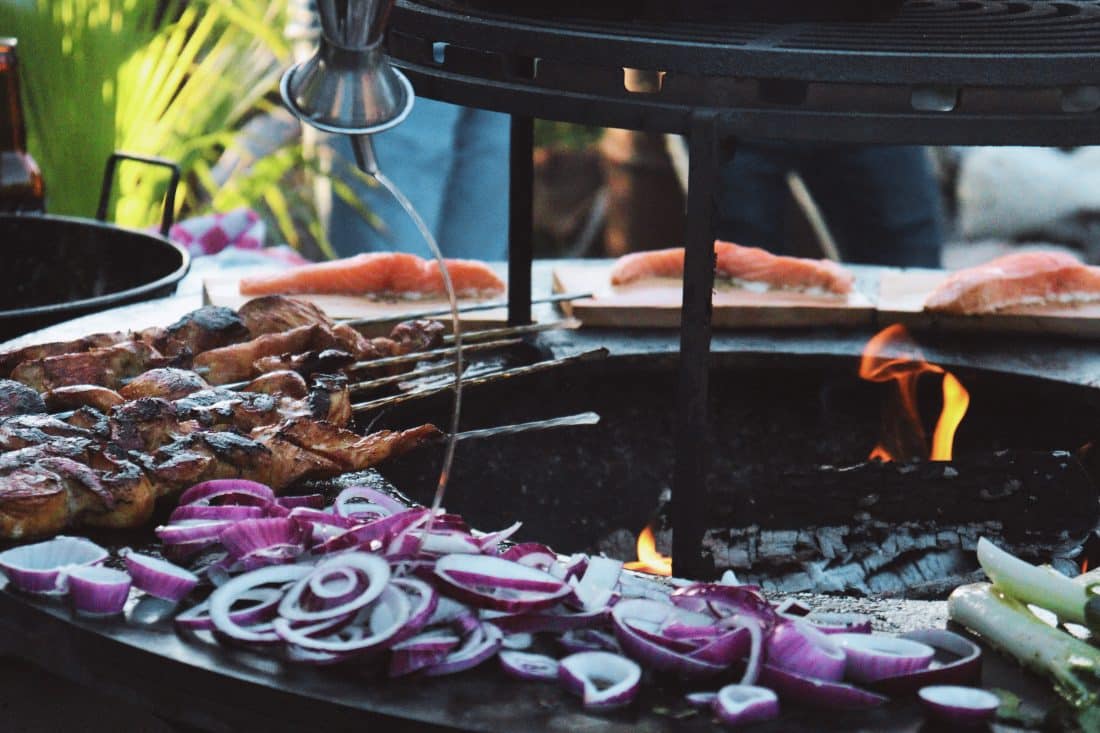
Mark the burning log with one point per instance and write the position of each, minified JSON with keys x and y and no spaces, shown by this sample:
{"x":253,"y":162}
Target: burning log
{"x":893,"y":528}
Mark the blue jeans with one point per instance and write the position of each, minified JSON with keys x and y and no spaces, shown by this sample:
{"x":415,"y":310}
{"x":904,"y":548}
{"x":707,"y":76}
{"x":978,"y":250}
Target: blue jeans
{"x":881,"y":203}
{"x":452,"y":163}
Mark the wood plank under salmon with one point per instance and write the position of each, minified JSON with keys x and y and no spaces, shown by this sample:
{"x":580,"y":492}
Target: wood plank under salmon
{"x":1022,"y":278}
{"x":748,"y":267}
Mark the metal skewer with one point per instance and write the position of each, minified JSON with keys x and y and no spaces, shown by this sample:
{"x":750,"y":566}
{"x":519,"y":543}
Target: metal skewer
{"x":583,"y":418}
{"x":402,"y":377}
{"x":463,"y":309}
{"x":507,"y":331}
{"x":593,"y":355}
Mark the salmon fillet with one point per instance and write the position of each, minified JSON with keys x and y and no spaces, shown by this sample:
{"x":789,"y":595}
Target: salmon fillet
{"x":1023,"y":278}
{"x":389,"y":273}
{"x":746,"y":265}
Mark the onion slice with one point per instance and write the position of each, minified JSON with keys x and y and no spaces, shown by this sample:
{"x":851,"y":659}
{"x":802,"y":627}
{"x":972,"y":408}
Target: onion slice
{"x":741,"y":704}
{"x":98,"y":591}
{"x":796,"y":646}
{"x":228,"y":595}
{"x":241,"y":491}
{"x":816,"y":693}
{"x":631,"y":618}
{"x":489,"y":581}
{"x":383,"y":622}
{"x":965,"y":669}
{"x":480,"y":644}
{"x":602,"y":679}
{"x":159,"y":578}
{"x":256,"y":605}
{"x":839,"y":623}
{"x":375,"y":570}
{"x":43,"y":567}
{"x":959,"y":706}
{"x":526,"y":666}
{"x":872,"y":657}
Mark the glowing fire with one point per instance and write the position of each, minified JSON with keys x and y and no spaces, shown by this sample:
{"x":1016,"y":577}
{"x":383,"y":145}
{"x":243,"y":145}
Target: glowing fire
{"x":1084,"y":566}
{"x":649,"y":560}
{"x":892,"y":356}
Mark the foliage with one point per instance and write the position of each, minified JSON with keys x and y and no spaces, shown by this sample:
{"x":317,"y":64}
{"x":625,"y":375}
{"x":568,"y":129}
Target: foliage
{"x":172,"y":78}
{"x":565,"y":134}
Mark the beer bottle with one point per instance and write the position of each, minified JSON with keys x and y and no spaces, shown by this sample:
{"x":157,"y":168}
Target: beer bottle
{"x":21,"y":186}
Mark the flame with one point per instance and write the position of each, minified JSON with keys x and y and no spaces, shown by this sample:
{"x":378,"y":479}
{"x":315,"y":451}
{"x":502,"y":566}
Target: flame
{"x":1084,"y":566}
{"x":892,"y":356}
{"x":649,"y":560}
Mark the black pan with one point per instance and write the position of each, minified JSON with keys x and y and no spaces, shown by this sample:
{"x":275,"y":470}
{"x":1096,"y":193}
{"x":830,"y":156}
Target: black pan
{"x":56,"y":268}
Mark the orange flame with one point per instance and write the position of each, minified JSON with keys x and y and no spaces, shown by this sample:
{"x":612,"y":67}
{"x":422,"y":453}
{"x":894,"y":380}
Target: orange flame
{"x":649,"y":560}
{"x":1084,"y":566}
{"x":892,"y":356}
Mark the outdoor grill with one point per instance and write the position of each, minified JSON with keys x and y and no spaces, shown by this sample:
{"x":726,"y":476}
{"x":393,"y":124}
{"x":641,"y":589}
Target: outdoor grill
{"x":682,"y":446}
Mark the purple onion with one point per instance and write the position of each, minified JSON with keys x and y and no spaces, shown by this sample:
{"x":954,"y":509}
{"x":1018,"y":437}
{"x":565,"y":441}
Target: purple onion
{"x":480,"y":644}
{"x":423,"y":650}
{"x":253,"y":543}
{"x":346,"y":504}
{"x":309,"y":501}
{"x":374,"y":628}
{"x":596,"y":588}
{"x":602,"y":679}
{"x":517,"y":642}
{"x":630,"y":619}
{"x":159,"y":578}
{"x":217,"y":512}
{"x":726,"y":601}
{"x":374,"y":569}
{"x":489,"y":581}
{"x":43,"y":567}
{"x":869,"y":658}
{"x":423,"y":602}
{"x":742,"y":704}
{"x":815,"y":693}
{"x":98,"y":591}
{"x":257,"y":605}
{"x":531,"y":554}
{"x":553,"y":619}
{"x":525,"y":666}
{"x":588,"y":640}
{"x":965,"y":669}
{"x":959,"y":706}
{"x":839,"y":623}
{"x":192,"y":531}
{"x":226,"y":596}
{"x":491,"y":540}
{"x":240,"y":490}
{"x":701,"y":700}
{"x":796,"y":646}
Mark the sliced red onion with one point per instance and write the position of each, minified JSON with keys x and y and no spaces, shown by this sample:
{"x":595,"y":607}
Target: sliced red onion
{"x":793,"y":607}
{"x":481,"y":644}
{"x":531,"y":554}
{"x":491,"y":581}
{"x":192,"y":531}
{"x":743,"y":704}
{"x":633,"y":584}
{"x":333,"y":587}
{"x":443,"y":542}
{"x":839,"y":623}
{"x":257,"y":605}
{"x":225,"y":597}
{"x":602,"y":679}
{"x":240,"y":490}
{"x":959,"y":706}
{"x":726,"y":601}
{"x":489,"y":541}
{"x":871,"y":657}
{"x":98,"y":591}
{"x":309,"y":501}
{"x":572,"y":567}
{"x":588,"y":640}
{"x":554,"y":619}
{"x":423,"y":601}
{"x":756,"y":653}
{"x":525,"y":666}
{"x":420,"y":651}
{"x":44,"y":566}
{"x":379,"y":625}
{"x":361,"y":500}
{"x":726,"y":648}
{"x":376,"y":572}
{"x":597,"y":587}
{"x":379,"y":531}
{"x":217,"y":512}
{"x":253,"y":543}
{"x":159,"y":578}
{"x":517,"y":642}
{"x":816,"y":693}
{"x":457,"y":615}
{"x":796,"y":646}
{"x":965,"y":669}
{"x":637,"y":623}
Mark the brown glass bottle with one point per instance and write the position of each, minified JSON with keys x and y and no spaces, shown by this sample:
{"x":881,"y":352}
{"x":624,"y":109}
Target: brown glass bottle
{"x":21,"y":186}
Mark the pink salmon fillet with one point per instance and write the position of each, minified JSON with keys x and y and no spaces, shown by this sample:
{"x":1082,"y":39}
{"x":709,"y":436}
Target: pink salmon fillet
{"x":746,"y":264}
{"x":378,"y":273}
{"x":1022,"y":278}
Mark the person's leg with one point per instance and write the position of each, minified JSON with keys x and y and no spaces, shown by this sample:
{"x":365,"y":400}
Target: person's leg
{"x":417,"y":156}
{"x":753,"y":195}
{"x":473,"y":222}
{"x":881,"y":203}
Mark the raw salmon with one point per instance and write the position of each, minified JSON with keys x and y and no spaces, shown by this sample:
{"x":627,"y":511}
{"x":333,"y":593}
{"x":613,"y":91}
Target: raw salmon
{"x":378,"y":273}
{"x":1023,"y":278}
{"x":743,"y":265}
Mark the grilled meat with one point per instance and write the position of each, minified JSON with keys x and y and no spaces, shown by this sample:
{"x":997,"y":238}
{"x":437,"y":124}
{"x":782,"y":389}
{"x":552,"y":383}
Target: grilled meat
{"x":105,"y":367}
{"x":309,"y":362}
{"x":81,"y":395}
{"x":284,"y":383}
{"x":418,"y":335}
{"x":351,"y":451}
{"x":14,"y":357}
{"x":20,"y":431}
{"x":167,"y":383}
{"x":209,"y":327}
{"x":234,"y":363}
{"x":17,"y":398}
{"x":278,"y":313}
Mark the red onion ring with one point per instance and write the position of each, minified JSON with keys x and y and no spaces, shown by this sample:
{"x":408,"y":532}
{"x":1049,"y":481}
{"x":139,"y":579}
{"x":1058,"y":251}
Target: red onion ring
{"x":259,"y":604}
{"x":226,"y":596}
{"x":43,"y":567}
{"x":602,"y":679}
{"x":526,"y":666}
{"x":966,"y":669}
{"x":480,"y":644}
{"x":379,"y":625}
{"x":816,"y":693}
{"x":423,"y":650}
{"x":98,"y":591}
{"x":159,"y":578}
{"x":959,"y":706}
{"x":240,"y":490}
{"x":628,"y":617}
{"x":216,"y":512}
{"x":871,"y":657}
{"x":375,"y":570}
{"x":347,"y":504}
{"x":742,"y":704}
{"x":798,"y":647}
{"x":492,"y":582}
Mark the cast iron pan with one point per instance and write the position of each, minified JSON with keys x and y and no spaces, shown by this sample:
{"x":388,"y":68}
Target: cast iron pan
{"x":56,"y":268}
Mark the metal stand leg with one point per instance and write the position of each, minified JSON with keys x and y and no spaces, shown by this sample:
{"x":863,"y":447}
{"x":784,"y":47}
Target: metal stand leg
{"x":520,"y":253}
{"x":692,"y":438}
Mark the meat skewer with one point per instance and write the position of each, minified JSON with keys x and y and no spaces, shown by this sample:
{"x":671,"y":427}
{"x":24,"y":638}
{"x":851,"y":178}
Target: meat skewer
{"x":559,"y":298}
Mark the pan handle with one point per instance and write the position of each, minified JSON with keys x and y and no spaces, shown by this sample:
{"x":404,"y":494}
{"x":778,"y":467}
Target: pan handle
{"x":169,"y":197}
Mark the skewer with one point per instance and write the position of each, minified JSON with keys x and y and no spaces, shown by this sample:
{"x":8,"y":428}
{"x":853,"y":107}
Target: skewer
{"x":463,"y":309}
{"x":582,"y":418}
{"x":508,"y":331}
{"x":595,"y":354}
{"x":402,"y":377}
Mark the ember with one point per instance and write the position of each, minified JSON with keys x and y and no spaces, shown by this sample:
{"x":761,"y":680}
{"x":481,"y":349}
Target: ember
{"x":892,"y":356}
{"x":649,"y":559}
